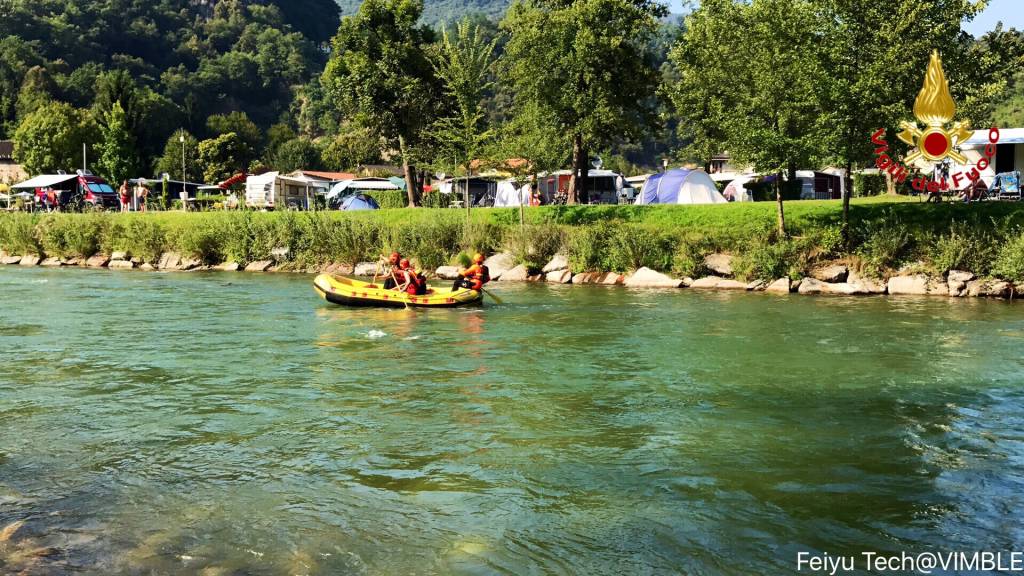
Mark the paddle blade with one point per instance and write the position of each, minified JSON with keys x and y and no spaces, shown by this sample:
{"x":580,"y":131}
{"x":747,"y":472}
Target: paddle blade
{"x":493,"y":297}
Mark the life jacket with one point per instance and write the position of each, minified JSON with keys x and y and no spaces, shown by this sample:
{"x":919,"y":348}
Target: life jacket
{"x":478,"y":275}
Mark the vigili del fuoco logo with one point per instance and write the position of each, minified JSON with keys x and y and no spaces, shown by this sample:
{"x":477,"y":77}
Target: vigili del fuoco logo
{"x":933,"y":143}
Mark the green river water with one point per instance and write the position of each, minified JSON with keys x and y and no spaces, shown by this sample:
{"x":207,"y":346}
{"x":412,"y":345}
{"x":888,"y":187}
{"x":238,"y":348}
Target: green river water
{"x":230,"y":424}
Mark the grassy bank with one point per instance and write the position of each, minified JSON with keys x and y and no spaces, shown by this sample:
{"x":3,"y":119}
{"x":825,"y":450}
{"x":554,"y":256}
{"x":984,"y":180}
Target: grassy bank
{"x":987,"y":239}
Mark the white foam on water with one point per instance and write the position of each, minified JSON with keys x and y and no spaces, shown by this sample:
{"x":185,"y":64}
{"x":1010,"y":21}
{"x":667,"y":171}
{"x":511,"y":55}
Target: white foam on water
{"x":376,"y":334}
{"x":411,"y":338}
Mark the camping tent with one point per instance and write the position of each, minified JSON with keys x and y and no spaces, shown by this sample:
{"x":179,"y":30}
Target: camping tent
{"x":511,"y":194}
{"x":359,"y":201}
{"x":736,"y":191}
{"x":680,"y":186}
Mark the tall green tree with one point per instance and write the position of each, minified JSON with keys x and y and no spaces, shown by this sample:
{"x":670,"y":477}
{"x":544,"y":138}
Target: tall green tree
{"x":172,"y":163}
{"x":705,"y":82}
{"x":380,"y":77}
{"x":586,"y":64}
{"x":876,"y":57}
{"x":464,"y":66}
{"x":51,"y":138}
{"x":759,"y":95}
{"x":222,"y":157}
{"x":117,"y":148}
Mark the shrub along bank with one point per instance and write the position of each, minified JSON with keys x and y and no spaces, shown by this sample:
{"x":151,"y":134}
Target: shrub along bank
{"x":986,"y":239}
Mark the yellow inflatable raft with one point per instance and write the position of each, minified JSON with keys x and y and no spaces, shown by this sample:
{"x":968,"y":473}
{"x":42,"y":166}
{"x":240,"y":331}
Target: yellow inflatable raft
{"x":351,"y":292}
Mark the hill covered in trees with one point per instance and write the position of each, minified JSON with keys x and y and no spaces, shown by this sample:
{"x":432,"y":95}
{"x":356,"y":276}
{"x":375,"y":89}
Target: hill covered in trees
{"x":438,"y":11}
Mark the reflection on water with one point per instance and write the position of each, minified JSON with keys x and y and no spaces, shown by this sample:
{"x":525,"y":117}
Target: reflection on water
{"x":236,"y":424}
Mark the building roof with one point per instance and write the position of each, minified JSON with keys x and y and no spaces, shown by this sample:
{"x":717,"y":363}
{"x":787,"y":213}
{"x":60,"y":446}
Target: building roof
{"x":321,"y":175}
{"x":6,"y":150}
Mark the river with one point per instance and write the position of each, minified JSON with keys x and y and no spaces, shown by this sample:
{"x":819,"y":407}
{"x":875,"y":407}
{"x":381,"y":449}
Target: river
{"x":218,"y":423}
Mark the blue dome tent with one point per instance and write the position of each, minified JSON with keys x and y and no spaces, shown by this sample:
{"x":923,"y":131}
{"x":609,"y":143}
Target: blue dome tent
{"x":359,"y":202}
{"x":680,"y":186}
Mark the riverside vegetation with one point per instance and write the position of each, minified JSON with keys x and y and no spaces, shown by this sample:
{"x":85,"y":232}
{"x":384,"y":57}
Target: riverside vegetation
{"x":985,"y":239}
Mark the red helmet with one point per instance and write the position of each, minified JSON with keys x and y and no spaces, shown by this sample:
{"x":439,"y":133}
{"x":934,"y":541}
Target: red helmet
{"x":478,"y":258}
{"x":404,"y":263}
{"x":395,"y":258}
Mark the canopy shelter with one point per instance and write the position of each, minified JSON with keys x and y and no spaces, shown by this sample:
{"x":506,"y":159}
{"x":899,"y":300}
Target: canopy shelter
{"x":680,"y":186}
{"x":481,"y":191}
{"x":603,"y":186}
{"x":359,"y":201}
{"x":736,"y":190}
{"x":510,"y":193}
{"x":356,"y":184}
{"x":45,"y":181}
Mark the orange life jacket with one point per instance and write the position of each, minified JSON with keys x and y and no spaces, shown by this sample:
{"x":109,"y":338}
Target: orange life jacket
{"x":478,"y":274}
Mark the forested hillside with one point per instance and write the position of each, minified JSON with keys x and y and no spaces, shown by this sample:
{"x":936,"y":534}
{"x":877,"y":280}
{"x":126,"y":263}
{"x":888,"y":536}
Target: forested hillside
{"x":437,"y":11}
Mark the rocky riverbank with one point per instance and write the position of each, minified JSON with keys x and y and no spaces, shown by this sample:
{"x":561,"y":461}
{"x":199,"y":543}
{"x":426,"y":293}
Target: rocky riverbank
{"x":830,"y":279}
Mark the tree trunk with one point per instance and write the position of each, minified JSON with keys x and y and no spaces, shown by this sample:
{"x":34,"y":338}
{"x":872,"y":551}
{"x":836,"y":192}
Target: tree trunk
{"x":778,"y":199}
{"x":578,"y":182}
{"x":410,"y":178}
{"x":847,"y":192}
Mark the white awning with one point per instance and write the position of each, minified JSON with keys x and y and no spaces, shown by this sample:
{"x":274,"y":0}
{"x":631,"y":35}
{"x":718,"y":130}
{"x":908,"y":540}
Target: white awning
{"x":1006,"y":136}
{"x":46,"y":181}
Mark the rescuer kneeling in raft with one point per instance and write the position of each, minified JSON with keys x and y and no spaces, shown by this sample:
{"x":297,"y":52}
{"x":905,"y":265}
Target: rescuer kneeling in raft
{"x":473,"y":277}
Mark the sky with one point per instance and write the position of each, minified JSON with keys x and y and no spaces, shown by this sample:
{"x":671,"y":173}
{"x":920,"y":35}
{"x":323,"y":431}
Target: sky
{"x":1010,"y":12}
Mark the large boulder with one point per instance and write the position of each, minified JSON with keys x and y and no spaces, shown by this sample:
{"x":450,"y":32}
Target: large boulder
{"x":191,"y":264}
{"x":719,"y":283}
{"x":29,"y":260}
{"x":147,"y":267}
{"x":52,"y":262}
{"x":834,"y":273}
{"x":499,"y":263}
{"x":780,"y":286}
{"x":121,"y":265}
{"x":259,"y":266}
{"x":559,"y":277}
{"x":229,"y":267}
{"x":613,"y":279}
{"x":815,"y":286}
{"x":120,"y":255}
{"x":916,"y":285}
{"x":97,"y":261}
{"x":720,"y":264}
{"x":517,"y":274}
{"x":989,"y":288}
{"x":865,"y":285}
{"x":647,"y":278}
{"x":589,"y":278}
{"x":559,"y":262}
{"x":335,"y":268}
{"x":447,"y":272}
{"x":366,"y":269}
{"x":757,"y":285}
{"x":169,"y":261}
{"x":957,"y":281}
{"x":9,"y":260}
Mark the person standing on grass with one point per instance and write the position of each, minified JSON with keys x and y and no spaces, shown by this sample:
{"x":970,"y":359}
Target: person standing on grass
{"x":122,"y":195}
{"x":143,"y":195}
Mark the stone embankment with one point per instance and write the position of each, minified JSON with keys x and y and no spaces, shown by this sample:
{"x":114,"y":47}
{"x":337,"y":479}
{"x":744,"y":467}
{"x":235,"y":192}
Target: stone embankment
{"x":830,"y":279}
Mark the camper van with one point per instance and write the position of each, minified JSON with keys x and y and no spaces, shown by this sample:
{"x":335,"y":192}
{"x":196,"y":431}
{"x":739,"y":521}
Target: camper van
{"x":274,"y":191}
{"x":81,"y":189}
